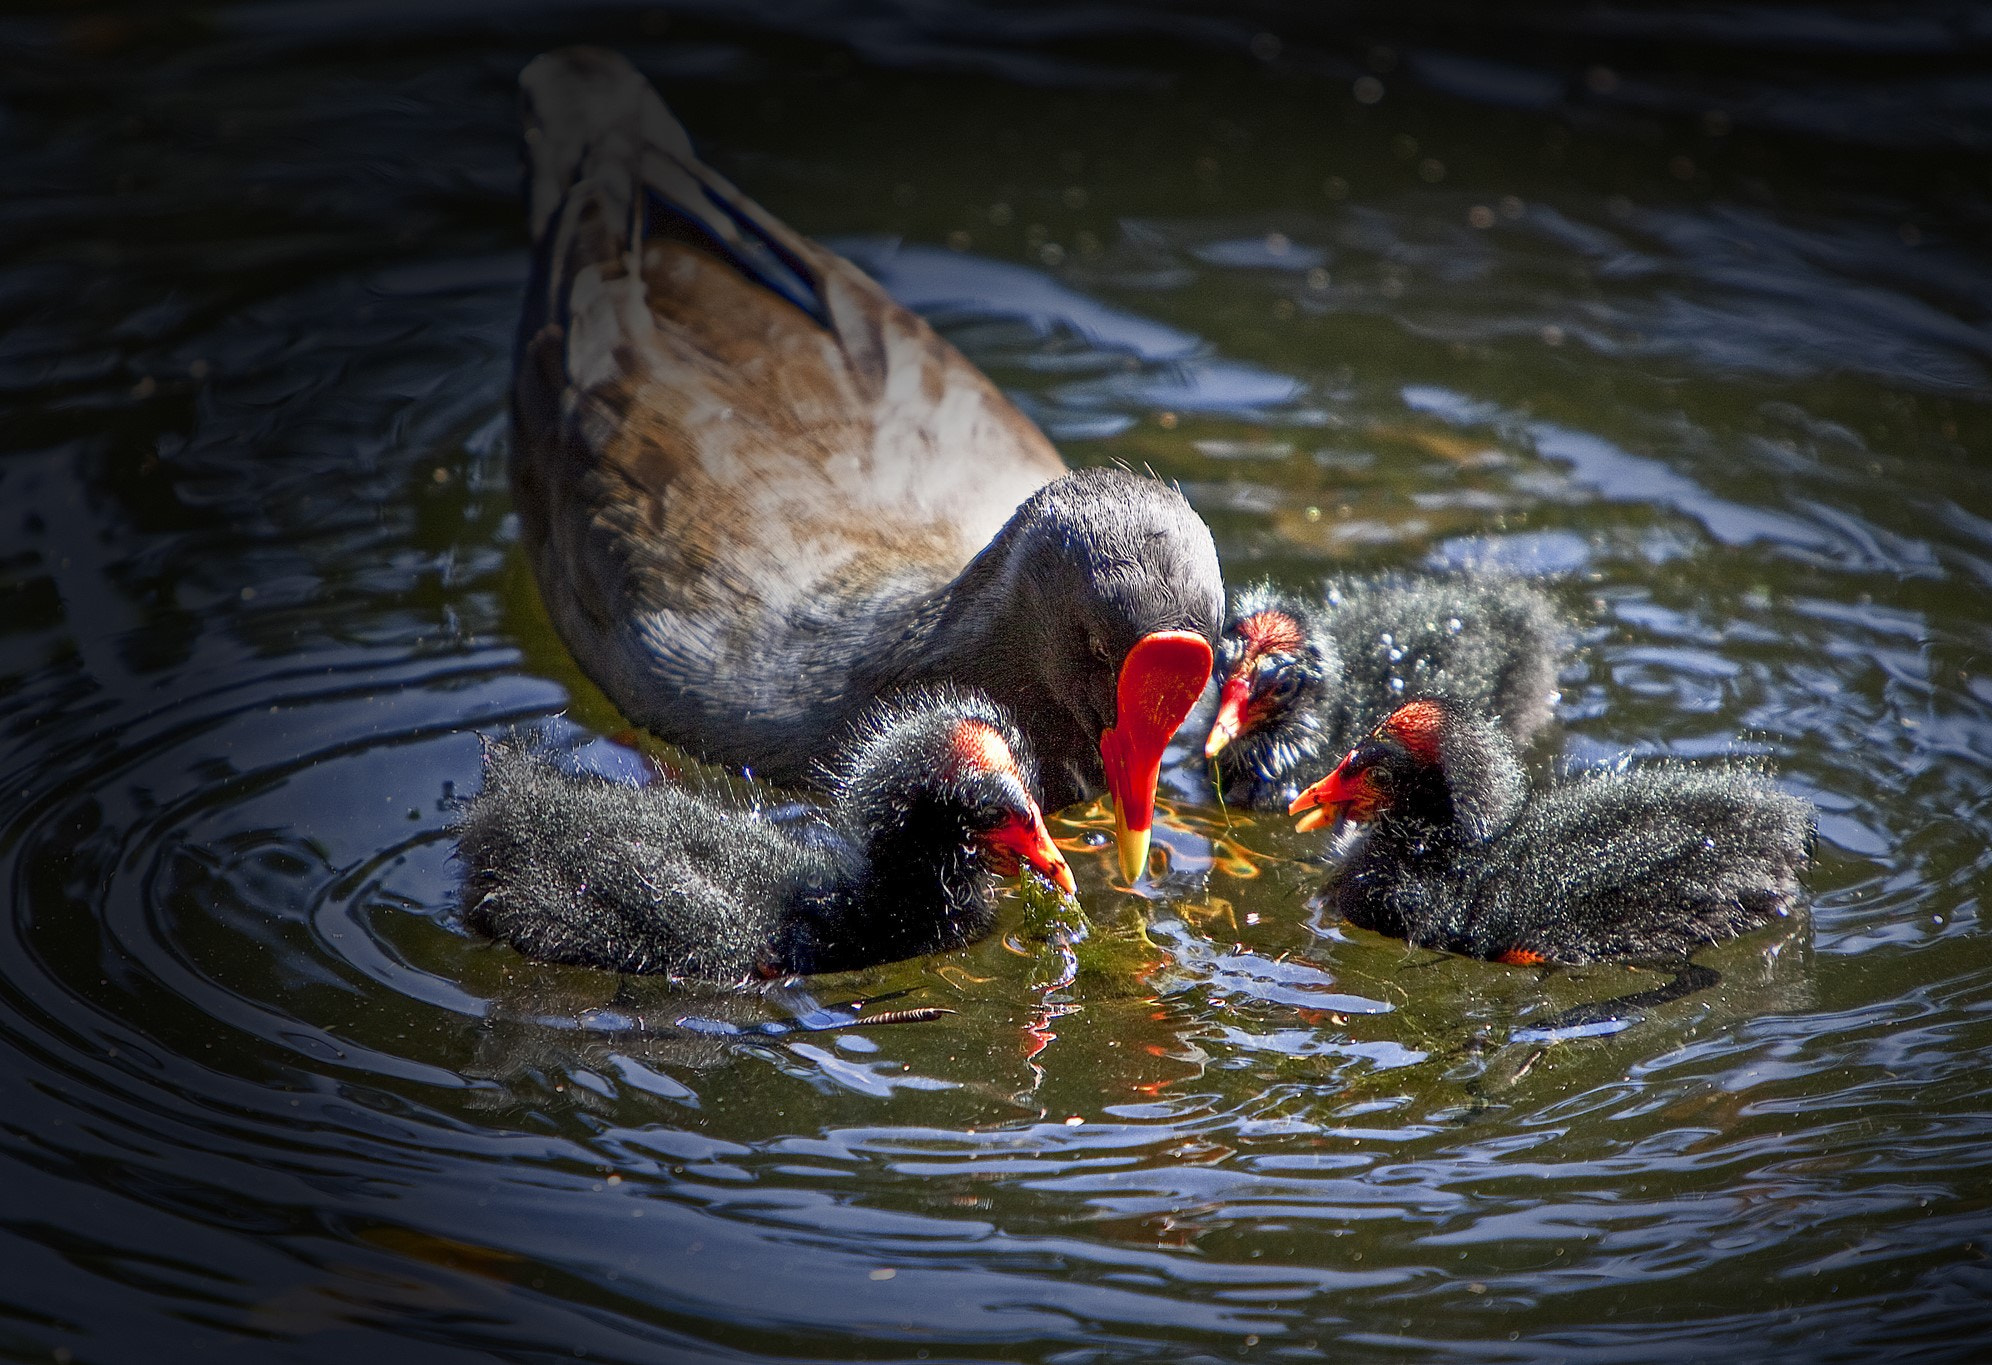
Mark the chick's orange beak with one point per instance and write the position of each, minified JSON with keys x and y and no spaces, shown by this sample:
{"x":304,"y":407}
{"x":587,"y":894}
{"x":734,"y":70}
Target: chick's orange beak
{"x":1328,"y":799}
{"x":1232,"y":699}
{"x":1160,"y":680}
{"x":1025,"y":836}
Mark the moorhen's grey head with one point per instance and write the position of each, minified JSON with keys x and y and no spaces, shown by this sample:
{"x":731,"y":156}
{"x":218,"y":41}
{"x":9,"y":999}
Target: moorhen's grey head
{"x":941,"y":765}
{"x":1104,"y":598}
{"x":1432,"y":763}
{"x":1275,"y":665}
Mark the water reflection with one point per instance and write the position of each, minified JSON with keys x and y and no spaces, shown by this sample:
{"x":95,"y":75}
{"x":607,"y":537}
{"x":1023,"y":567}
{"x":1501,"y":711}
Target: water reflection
{"x":261,"y":591}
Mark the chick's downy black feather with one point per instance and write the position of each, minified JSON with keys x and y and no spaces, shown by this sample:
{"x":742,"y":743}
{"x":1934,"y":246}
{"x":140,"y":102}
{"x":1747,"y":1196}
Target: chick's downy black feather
{"x":577,"y":869}
{"x":1646,"y":864}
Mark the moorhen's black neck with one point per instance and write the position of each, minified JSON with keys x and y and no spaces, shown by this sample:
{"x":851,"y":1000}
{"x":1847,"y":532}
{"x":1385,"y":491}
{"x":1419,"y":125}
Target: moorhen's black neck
{"x":1042,"y":618}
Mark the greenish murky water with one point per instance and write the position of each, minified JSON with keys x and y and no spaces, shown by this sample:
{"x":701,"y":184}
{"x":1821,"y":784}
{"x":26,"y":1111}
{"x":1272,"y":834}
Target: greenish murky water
{"x":1687,"y":313}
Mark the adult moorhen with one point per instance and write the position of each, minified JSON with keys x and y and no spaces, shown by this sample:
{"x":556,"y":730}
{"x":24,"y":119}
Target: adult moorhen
{"x":1300,"y":678}
{"x":931,"y":801}
{"x":757,"y":493}
{"x":1641,"y":865}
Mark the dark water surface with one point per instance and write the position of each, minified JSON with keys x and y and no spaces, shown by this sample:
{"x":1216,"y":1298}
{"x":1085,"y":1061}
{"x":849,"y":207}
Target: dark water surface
{"x":1688,"y":311}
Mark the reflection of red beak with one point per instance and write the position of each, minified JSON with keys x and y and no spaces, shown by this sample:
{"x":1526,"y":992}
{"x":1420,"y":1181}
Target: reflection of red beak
{"x":1330,"y":798}
{"x":1025,"y":836}
{"x":1230,"y":722}
{"x":1160,"y":680}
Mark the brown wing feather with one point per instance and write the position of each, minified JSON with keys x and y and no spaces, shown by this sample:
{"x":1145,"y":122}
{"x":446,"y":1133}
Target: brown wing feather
{"x":707,"y":474}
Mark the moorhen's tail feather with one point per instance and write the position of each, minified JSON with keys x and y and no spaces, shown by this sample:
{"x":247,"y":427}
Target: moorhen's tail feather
{"x":593,"y":123}
{"x":586,"y":110}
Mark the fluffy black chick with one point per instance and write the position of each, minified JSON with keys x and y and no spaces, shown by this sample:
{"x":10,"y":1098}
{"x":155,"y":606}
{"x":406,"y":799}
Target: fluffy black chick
{"x":1301,"y":678}
{"x":930,"y":803}
{"x":1640,"y":865}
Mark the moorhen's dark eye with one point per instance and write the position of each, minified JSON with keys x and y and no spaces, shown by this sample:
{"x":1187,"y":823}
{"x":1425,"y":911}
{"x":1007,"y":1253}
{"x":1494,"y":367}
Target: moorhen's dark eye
{"x":1286,"y":682}
{"x":1099,"y":648}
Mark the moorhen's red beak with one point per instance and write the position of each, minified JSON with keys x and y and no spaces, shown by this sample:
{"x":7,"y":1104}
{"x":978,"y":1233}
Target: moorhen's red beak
{"x":1325,"y":801}
{"x":1160,"y":680}
{"x":1026,"y":837}
{"x":1230,"y":722}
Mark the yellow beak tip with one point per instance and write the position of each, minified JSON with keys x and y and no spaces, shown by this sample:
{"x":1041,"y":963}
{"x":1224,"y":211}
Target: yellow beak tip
{"x":1133,"y":852}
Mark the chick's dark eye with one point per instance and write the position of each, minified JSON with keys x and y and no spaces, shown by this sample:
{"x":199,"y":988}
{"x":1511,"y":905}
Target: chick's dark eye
{"x":1285,"y":683}
{"x":1381,"y":779}
{"x":1099,"y":648}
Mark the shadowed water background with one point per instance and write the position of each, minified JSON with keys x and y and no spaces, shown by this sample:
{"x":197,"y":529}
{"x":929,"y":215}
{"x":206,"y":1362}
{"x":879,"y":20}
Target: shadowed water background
{"x":1684,"y":312}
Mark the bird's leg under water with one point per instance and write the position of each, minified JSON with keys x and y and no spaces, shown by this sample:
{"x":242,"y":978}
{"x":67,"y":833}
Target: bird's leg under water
{"x":1623,"y":1011}
{"x":807,"y":1016}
